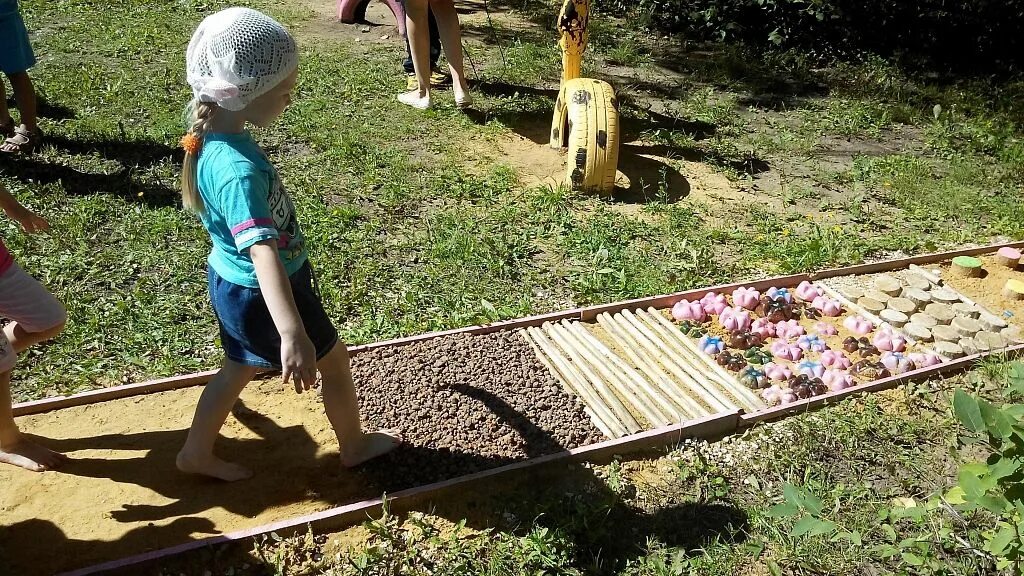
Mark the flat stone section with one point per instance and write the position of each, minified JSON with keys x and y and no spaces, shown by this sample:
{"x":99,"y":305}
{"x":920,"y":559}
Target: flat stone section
{"x":923,"y":320}
{"x":877,"y":295}
{"x":917,"y":281}
{"x":894,"y":317}
{"x":888,"y":284}
{"x":919,"y":297}
{"x":990,"y":339}
{"x":943,"y":333}
{"x":918,"y":332}
{"x":903,"y":305}
{"x":965,"y":309}
{"x":966,"y":326}
{"x":871,"y":305}
{"x":941,"y":313}
{"x":949,"y":349}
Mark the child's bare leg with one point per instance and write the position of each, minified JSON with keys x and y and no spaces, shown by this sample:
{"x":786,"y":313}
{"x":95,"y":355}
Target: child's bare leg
{"x":342,"y":408}
{"x":15,"y":448}
{"x":25,"y":97}
{"x":5,"y":114}
{"x":220,"y":394}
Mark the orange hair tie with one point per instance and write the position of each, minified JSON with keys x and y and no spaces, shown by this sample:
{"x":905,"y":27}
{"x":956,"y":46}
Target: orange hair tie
{"x":191,"y":143}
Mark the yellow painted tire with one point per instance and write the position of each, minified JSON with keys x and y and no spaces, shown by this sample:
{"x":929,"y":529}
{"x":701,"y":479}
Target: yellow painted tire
{"x":593,"y":134}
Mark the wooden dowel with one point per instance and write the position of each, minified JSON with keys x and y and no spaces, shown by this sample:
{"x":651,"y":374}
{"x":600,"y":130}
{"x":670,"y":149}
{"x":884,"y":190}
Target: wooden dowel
{"x":586,"y":389}
{"x":746,"y":398}
{"x":694,"y":382}
{"x":600,"y":386}
{"x":579,"y":382}
{"x":656,"y":400}
{"x":616,"y":382}
{"x":679,"y":364}
{"x":564,"y":381}
{"x":689,"y":407}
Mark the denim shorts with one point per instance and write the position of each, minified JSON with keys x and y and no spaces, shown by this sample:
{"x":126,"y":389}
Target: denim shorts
{"x":247,"y":331}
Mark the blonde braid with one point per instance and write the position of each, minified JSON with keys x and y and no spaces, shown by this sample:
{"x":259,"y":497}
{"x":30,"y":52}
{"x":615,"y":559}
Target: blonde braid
{"x":200,"y":117}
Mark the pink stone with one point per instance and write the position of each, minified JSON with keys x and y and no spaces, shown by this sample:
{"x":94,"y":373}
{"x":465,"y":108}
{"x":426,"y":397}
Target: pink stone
{"x":897,"y":363}
{"x":837,"y":380}
{"x":807,"y":291}
{"x":733,"y":319}
{"x":746,"y":298}
{"x":1009,"y":253}
{"x":889,"y":341}
{"x":777,"y":372}
{"x":835,"y":359}
{"x":825,"y":329}
{"x":787,"y":397}
{"x":763,"y":328}
{"x":827,"y":306}
{"x":789,"y":329}
{"x":858,"y":325}
{"x":714,"y":303}
{"x":785,"y":351}
{"x":686,"y":310}
{"x":924,"y":360}
{"x":772,"y":395}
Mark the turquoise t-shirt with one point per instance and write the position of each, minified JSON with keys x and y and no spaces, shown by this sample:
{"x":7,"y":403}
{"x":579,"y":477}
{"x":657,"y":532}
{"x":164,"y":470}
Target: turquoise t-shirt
{"x":245,"y":204}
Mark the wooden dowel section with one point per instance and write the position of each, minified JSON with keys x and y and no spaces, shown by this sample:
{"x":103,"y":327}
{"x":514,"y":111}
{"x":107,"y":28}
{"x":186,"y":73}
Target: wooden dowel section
{"x":694,"y":381}
{"x":584,"y":388}
{"x":566,"y":385}
{"x":689,"y":407}
{"x":599,"y":385}
{"x":746,"y":398}
{"x":615,"y":381}
{"x":675,"y":361}
{"x":656,"y":400}
{"x":579,"y":383}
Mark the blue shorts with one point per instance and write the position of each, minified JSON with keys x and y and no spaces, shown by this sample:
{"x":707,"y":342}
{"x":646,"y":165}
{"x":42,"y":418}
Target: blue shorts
{"x":247,"y":331}
{"x":15,"y":51}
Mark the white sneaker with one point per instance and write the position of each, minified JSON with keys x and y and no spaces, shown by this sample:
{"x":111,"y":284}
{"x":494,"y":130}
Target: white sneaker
{"x":463,"y":102}
{"x":413,"y":99}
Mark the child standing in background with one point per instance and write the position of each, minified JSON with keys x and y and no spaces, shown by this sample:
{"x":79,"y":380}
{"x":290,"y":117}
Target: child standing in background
{"x":35,"y":315}
{"x":16,"y":57}
{"x":242,"y":66}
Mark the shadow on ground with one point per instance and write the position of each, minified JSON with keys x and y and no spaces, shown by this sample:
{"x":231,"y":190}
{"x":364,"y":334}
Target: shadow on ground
{"x":131,"y":180}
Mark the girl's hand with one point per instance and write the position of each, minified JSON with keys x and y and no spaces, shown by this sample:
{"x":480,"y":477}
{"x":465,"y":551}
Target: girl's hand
{"x":298,"y":361}
{"x":29,"y":220}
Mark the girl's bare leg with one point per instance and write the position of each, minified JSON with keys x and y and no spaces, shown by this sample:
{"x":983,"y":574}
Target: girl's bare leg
{"x":220,"y":394}
{"x":15,"y":448}
{"x":451,"y":41}
{"x":418,"y":33}
{"x":342,"y":406}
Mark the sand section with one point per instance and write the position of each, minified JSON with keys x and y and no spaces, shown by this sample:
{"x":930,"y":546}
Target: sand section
{"x":987,"y":290}
{"x":121,"y":494}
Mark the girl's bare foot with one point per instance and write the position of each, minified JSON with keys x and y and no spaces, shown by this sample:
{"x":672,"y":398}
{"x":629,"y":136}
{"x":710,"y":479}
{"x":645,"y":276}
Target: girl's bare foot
{"x":212,"y":466}
{"x":369,"y":446}
{"x":26,"y":454}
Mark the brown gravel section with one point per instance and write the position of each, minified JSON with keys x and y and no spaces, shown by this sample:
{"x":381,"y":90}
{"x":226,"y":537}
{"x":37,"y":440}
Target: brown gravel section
{"x":463,"y":404}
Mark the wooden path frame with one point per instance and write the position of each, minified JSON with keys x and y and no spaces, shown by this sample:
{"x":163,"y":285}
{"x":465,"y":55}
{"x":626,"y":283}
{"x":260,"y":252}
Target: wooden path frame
{"x":709,"y":427}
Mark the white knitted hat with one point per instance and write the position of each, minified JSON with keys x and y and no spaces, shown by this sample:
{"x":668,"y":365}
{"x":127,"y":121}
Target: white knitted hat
{"x":236,"y":55}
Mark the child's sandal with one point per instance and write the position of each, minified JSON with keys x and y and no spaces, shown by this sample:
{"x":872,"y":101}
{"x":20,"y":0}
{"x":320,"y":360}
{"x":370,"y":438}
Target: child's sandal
{"x":24,"y":141}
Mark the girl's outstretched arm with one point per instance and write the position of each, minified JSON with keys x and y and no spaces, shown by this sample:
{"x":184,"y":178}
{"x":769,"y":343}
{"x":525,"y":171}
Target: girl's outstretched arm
{"x":29,"y":220}
{"x":298,"y":356}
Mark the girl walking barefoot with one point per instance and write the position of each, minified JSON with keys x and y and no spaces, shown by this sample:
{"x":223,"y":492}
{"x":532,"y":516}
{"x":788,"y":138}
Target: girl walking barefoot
{"x":35,"y":316}
{"x":242,"y":66}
